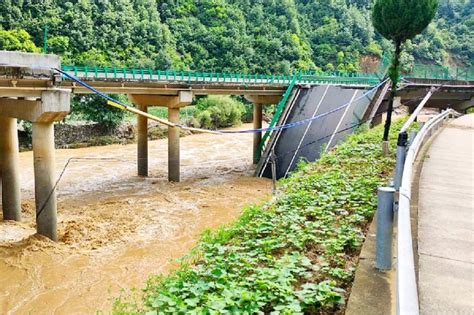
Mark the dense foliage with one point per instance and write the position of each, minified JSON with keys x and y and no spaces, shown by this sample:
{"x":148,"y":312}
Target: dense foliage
{"x":92,"y":108}
{"x":295,"y":254}
{"x":217,"y":111}
{"x":225,"y":35}
{"x":275,"y":36}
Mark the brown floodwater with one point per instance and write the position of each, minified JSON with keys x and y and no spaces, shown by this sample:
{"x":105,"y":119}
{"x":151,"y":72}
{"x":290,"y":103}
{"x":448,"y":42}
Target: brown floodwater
{"x":116,"y":229}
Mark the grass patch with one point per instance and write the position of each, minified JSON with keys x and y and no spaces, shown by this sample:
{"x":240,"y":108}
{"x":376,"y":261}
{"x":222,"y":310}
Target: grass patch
{"x":295,"y":254}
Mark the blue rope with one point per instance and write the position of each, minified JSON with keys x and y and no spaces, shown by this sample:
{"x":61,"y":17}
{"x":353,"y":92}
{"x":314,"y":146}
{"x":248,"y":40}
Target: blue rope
{"x":274,"y":128}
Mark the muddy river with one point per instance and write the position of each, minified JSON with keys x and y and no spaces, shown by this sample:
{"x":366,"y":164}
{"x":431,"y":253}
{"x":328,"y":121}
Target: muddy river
{"x":116,"y":229}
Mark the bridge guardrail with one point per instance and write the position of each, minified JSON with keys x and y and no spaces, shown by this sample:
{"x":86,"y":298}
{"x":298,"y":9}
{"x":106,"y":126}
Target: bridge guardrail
{"x":337,"y":77}
{"x":419,"y":71}
{"x":407,"y":289}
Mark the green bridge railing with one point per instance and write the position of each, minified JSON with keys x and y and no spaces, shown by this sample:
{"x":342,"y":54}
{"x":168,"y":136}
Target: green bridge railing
{"x":335,"y":77}
{"x":419,"y":71}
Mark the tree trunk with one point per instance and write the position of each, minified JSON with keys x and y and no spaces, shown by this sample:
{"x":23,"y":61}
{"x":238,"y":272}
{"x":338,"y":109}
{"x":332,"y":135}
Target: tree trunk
{"x":394,"y":74}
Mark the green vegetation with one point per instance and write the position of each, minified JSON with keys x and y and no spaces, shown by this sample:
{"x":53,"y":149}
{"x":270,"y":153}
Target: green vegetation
{"x":18,"y":40}
{"x":295,"y":254}
{"x":92,"y":108}
{"x":228,"y":35}
{"x":249,"y":36}
{"x":216,"y":111}
{"x":399,"y":21}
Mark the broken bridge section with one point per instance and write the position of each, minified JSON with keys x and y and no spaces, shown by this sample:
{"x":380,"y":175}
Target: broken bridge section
{"x":28,"y":92}
{"x":331,"y":123}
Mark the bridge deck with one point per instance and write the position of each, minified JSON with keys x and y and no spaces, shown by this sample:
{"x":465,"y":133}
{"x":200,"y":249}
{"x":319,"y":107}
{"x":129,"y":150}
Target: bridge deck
{"x":446,"y":222}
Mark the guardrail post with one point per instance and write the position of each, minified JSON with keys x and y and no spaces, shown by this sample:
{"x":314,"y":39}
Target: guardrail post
{"x":383,"y":251}
{"x":401,"y":154}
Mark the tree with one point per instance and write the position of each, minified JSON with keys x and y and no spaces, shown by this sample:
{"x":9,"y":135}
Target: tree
{"x":18,"y":40}
{"x":398,"y":21}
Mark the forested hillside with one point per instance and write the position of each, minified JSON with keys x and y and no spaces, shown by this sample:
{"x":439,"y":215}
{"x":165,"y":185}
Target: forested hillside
{"x":225,"y":35}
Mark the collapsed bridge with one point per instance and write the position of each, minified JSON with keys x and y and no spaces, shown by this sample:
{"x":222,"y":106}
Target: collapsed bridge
{"x":313,"y":109}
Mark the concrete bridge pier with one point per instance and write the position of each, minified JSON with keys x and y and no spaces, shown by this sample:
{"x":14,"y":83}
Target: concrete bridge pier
{"x":45,"y":192}
{"x":9,"y":169}
{"x":173,"y":103}
{"x":42,"y":111}
{"x":142,"y":142}
{"x":173,"y":146}
{"x":257,"y":124}
{"x":258,"y":102}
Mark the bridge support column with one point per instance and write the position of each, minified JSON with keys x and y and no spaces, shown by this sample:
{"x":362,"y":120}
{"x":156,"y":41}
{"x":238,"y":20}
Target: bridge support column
{"x":45,"y":194}
{"x":173,"y":146}
{"x":258,"y":102}
{"x":9,"y":169}
{"x":174,"y":103}
{"x":142,"y":142}
{"x":257,"y":124}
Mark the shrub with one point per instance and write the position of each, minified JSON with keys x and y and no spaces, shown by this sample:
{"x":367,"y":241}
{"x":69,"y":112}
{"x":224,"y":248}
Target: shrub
{"x":218,"y":112}
{"x":93,"y":108}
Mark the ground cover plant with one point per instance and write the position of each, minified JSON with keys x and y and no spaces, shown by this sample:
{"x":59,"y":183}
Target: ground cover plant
{"x":295,"y":254}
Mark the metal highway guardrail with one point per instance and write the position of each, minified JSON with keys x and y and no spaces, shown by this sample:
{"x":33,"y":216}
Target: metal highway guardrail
{"x":407,"y":288}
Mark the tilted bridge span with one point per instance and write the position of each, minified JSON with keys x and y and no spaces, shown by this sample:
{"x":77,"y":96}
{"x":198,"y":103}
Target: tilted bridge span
{"x":32,"y":90}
